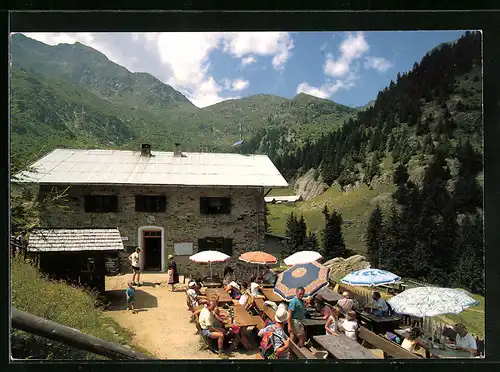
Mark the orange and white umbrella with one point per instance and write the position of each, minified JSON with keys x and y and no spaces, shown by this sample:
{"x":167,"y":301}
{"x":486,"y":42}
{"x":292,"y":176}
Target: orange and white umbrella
{"x":258,"y":257}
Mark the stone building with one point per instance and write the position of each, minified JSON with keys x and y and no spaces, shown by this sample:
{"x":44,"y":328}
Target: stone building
{"x":164,"y":202}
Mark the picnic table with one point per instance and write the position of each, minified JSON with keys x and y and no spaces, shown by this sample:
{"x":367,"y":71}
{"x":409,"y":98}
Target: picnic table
{"x":259,"y":302}
{"x":328,"y":295}
{"x":446,"y":353}
{"x":223,"y":296}
{"x":243,"y":319}
{"x":378,"y":323}
{"x":271,"y":296}
{"x":342,"y":347}
{"x":211,"y":283}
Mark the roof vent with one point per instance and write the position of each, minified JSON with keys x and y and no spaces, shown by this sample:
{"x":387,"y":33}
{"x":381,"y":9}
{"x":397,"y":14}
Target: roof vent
{"x":146,"y":149}
{"x":177,"y":151}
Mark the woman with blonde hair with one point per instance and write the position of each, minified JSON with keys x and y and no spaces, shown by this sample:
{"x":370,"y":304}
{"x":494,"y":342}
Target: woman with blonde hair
{"x":332,"y":326}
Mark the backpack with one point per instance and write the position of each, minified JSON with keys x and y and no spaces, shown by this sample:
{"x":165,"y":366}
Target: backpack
{"x":266,"y":348}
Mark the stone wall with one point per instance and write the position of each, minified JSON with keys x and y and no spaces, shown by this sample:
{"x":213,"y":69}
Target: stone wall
{"x":182,"y":220}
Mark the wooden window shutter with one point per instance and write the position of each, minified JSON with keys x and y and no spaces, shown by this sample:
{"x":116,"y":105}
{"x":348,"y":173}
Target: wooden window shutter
{"x":162,"y":203}
{"x":139,"y":203}
{"x":113,"y":203}
{"x":227,"y":246}
{"x":226,"y":205}
{"x":203,"y":205}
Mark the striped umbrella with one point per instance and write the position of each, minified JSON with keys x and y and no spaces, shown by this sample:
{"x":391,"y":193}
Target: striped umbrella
{"x":312,"y":276}
{"x":259,"y":258}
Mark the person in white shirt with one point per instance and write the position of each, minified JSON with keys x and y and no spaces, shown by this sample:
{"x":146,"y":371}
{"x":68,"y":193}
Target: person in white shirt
{"x":243,"y":301}
{"x":465,"y":341}
{"x":350,"y":325}
{"x":378,"y":306}
{"x":412,"y":343}
{"x":255,"y":289}
{"x":209,"y":328}
{"x":194,"y":298}
{"x":134,"y":259}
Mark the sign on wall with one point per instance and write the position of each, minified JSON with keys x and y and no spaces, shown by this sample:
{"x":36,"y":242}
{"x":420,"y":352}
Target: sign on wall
{"x":183,"y":248}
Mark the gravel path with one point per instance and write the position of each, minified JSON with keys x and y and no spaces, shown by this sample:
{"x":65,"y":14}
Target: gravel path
{"x":162,"y":324}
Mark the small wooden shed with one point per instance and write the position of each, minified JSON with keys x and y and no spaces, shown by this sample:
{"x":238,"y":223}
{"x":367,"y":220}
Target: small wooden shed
{"x":76,"y":255}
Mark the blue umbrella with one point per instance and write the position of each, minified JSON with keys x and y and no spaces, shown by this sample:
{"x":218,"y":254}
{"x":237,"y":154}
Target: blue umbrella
{"x":312,"y":276}
{"x":370,"y":278}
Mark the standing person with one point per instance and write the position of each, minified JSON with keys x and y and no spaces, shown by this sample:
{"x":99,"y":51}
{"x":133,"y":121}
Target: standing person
{"x":297,"y":312}
{"x":173,"y":278}
{"x":276,"y":334}
{"x":209,"y":327}
{"x":130,"y":297}
{"x":134,"y":259}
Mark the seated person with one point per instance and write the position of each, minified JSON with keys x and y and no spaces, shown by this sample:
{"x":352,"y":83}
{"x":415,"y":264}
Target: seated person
{"x":234,"y":290}
{"x":243,"y":300}
{"x":346,"y":304}
{"x":194,"y":296}
{"x":212,"y":325}
{"x":464,"y":341}
{"x":413,"y":343}
{"x":268,"y":277}
{"x":350,"y":326}
{"x":228,"y":276}
{"x":332,"y":322}
{"x":255,"y":289}
{"x":378,"y":306}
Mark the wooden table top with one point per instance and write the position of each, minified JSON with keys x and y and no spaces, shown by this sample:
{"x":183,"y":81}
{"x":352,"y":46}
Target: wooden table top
{"x":259,"y":302}
{"x":449,"y":353}
{"x":379,"y":319}
{"x":328,"y":295}
{"x":271,"y":296}
{"x":242,"y":317}
{"x":313,"y":322}
{"x":342,"y":347}
{"x":221,"y":293}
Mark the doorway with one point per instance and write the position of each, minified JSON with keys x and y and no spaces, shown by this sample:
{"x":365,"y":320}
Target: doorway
{"x":152,"y":245}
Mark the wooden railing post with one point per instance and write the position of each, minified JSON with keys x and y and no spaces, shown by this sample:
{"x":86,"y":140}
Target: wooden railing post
{"x":70,"y":336}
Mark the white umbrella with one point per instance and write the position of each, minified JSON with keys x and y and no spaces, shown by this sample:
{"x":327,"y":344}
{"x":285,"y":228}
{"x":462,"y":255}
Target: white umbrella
{"x":209,"y":257}
{"x":302,"y":257}
{"x":370,"y":278}
{"x":431,"y":301}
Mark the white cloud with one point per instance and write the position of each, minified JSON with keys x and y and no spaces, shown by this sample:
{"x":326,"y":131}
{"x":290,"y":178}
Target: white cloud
{"x":352,"y":48}
{"x":325,"y":90}
{"x":248,"y":60}
{"x":239,"y":84}
{"x":276,"y":44}
{"x":377,"y":63}
{"x":182,"y":59}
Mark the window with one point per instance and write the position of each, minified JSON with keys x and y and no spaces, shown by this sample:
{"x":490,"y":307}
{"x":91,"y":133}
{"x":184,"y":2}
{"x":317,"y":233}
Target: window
{"x":150,"y":203}
{"x":215,"y":205}
{"x":101,"y":203}
{"x":88,"y":265}
{"x":224,"y":245}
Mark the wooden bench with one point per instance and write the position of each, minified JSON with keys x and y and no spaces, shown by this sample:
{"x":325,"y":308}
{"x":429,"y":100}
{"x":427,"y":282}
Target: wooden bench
{"x":260,"y":323}
{"x":384,"y":344}
{"x":301,"y":352}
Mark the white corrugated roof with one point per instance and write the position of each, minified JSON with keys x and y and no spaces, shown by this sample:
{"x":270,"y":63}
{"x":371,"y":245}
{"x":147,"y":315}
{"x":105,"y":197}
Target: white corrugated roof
{"x":75,"y":240}
{"x":288,"y":198}
{"x":69,"y":166}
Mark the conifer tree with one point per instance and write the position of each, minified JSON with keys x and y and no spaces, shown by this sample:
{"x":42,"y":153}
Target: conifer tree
{"x":374,"y":237}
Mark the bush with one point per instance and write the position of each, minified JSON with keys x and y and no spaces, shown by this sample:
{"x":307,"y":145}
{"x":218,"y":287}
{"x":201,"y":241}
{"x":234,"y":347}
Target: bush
{"x":74,"y":307}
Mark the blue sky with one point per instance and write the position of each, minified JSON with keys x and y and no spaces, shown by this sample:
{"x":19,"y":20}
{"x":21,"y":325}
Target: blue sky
{"x":345,"y":67}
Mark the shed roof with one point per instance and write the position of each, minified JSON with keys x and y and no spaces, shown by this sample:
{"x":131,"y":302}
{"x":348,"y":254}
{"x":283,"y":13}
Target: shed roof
{"x":117,"y":167}
{"x":286,"y":198}
{"x":75,"y":240}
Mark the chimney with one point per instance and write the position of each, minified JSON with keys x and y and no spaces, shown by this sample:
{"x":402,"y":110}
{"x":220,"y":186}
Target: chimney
{"x":177,"y":151}
{"x":146,"y":149}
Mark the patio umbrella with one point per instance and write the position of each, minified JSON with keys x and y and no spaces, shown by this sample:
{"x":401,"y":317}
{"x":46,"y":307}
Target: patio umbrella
{"x":302,"y":257}
{"x":431,"y":301}
{"x":209,"y":257}
{"x":259,"y":258}
{"x":370,"y":278}
{"x":312,"y":276}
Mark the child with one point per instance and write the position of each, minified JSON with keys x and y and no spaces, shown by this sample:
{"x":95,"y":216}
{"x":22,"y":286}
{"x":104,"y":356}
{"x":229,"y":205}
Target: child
{"x":130,"y":297}
{"x":350,"y":325}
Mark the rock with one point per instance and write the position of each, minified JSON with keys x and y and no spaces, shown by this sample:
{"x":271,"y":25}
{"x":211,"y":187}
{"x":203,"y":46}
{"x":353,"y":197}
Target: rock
{"x":340,"y":267}
{"x":308,"y":187}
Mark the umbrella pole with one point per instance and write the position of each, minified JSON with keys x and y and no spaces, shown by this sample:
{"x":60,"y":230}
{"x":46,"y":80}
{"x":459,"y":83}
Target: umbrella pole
{"x":210,"y":264}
